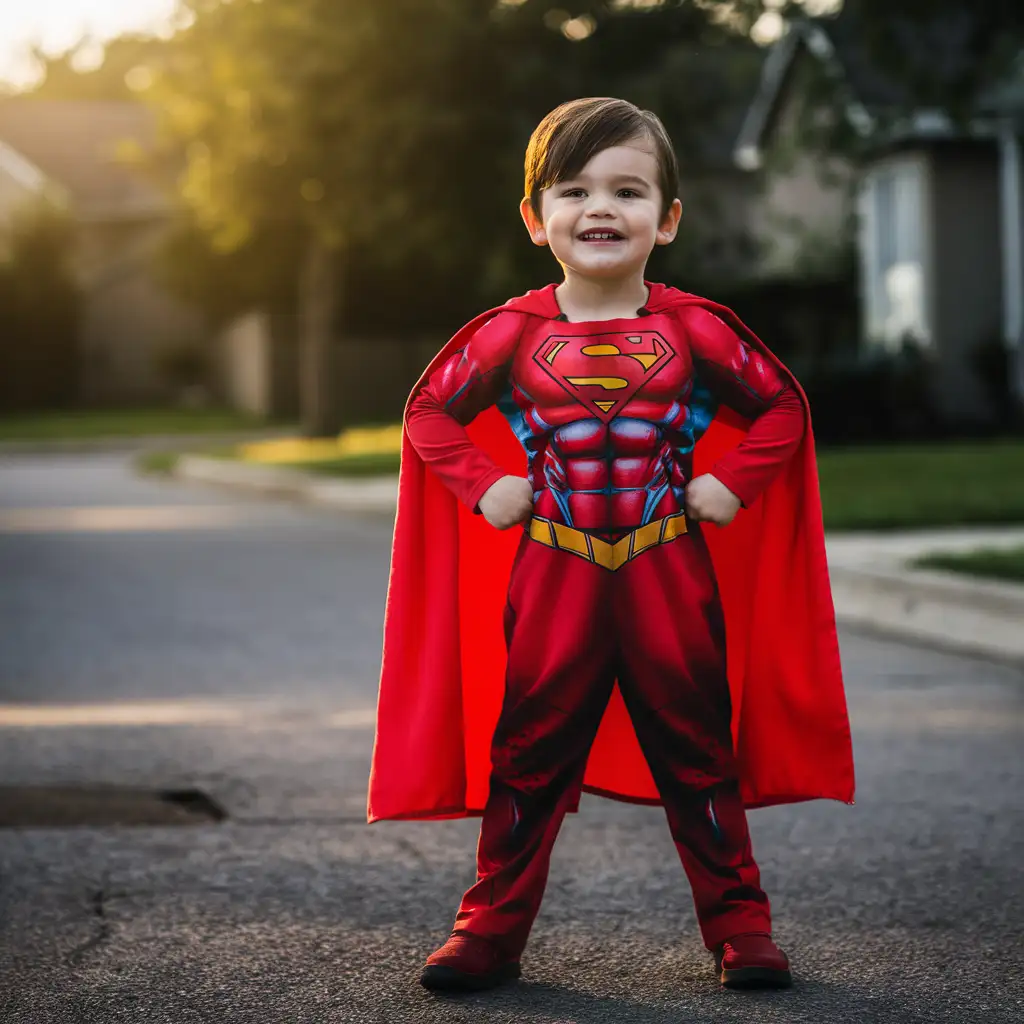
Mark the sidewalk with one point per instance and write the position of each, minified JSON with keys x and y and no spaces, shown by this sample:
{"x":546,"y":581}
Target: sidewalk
{"x":872,"y":585}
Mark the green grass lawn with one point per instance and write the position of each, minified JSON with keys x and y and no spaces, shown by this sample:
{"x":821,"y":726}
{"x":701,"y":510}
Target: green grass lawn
{"x":873,"y":488}
{"x":96,"y":423}
{"x":997,"y":564}
{"x":902,"y":487}
{"x":910,"y":487}
{"x":350,"y":466}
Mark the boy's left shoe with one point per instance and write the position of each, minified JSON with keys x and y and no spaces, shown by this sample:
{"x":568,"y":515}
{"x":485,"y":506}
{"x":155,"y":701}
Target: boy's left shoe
{"x":752,"y":961}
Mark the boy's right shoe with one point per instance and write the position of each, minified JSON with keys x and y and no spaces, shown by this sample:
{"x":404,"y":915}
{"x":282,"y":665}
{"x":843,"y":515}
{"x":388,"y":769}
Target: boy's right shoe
{"x":467,"y":963}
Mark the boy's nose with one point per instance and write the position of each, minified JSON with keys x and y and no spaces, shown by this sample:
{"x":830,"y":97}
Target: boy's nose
{"x":599,"y":207}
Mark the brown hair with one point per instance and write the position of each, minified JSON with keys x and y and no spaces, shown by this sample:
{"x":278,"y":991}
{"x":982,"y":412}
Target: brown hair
{"x":564,"y":142}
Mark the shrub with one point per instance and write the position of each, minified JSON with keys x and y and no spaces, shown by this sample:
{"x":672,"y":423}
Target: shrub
{"x":39,"y":310}
{"x":874,"y":394}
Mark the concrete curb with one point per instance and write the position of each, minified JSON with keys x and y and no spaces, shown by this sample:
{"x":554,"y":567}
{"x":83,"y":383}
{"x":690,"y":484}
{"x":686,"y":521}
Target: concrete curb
{"x":370,"y":494}
{"x":872,"y":586}
{"x":953,"y":612}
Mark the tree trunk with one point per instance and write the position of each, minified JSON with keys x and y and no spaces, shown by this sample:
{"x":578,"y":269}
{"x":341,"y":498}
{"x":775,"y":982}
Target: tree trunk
{"x":318,"y":306}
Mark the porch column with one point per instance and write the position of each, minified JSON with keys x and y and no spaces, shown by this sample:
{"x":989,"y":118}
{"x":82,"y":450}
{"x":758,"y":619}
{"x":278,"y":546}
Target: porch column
{"x":1012,"y":196}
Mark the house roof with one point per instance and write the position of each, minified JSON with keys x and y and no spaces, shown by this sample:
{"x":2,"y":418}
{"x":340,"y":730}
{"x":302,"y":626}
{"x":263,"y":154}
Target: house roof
{"x":937,"y":51}
{"x":76,"y":146}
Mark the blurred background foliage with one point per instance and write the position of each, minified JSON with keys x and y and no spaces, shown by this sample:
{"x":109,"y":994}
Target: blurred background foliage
{"x":362,"y":161}
{"x":357,"y":164}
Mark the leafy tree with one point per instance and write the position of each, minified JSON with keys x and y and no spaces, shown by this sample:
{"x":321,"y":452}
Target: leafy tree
{"x":340,"y":117}
{"x":393,"y":134}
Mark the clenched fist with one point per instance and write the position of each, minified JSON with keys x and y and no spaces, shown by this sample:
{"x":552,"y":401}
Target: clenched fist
{"x":507,"y":502}
{"x":708,"y":500}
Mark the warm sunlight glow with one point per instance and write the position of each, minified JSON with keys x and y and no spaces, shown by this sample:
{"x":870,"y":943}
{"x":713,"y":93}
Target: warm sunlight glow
{"x":57,"y":25}
{"x":354,"y":441}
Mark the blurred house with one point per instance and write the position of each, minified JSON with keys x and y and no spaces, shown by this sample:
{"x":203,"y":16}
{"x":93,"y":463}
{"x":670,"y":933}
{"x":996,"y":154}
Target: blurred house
{"x":934,"y":206}
{"x":74,"y":153}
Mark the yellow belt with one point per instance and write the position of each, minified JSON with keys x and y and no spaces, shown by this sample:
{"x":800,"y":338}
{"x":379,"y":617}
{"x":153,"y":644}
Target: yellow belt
{"x":600,"y":552}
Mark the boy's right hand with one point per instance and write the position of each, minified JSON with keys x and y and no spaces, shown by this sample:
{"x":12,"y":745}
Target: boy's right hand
{"x":508,"y":502}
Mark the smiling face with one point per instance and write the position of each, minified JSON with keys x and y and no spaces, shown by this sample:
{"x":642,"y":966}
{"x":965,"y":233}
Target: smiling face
{"x":604,"y":222}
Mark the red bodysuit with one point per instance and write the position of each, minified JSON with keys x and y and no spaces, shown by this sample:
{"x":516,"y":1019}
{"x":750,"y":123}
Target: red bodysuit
{"x":610,"y":584}
{"x":608,"y":413}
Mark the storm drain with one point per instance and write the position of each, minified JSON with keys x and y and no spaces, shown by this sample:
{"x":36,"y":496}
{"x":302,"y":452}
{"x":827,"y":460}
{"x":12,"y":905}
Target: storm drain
{"x":70,"y":806}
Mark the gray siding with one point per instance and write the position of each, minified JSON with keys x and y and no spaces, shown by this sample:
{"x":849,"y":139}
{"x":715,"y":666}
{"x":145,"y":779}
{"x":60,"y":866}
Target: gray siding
{"x":803,"y":218}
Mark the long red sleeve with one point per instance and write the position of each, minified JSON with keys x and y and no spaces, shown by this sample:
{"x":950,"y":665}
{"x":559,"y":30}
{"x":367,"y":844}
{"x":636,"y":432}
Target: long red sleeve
{"x":437,"y":414}
{"x":740,"y":378}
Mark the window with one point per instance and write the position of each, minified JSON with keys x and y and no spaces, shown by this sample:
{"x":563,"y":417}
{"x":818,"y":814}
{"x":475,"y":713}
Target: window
{"x":892,"y":248}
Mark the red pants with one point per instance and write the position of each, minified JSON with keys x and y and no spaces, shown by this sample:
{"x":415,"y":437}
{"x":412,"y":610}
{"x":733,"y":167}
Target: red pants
{"x":572,"y":629}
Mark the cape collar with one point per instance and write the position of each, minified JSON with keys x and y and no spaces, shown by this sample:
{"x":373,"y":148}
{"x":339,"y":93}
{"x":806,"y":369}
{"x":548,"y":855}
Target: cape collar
{"x":542,"y":302}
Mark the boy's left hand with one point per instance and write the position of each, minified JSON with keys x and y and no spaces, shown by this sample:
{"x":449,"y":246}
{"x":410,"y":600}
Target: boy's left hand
{"x":708,"y":500}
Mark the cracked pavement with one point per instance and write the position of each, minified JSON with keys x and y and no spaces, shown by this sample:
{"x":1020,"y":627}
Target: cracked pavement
{"x":232,"y":645}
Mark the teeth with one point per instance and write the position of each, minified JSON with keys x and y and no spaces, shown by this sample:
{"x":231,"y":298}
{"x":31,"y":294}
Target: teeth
{"x":601,"y":235}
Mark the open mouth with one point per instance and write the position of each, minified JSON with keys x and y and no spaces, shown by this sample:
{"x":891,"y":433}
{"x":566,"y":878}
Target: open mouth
{"x":602,"y":235}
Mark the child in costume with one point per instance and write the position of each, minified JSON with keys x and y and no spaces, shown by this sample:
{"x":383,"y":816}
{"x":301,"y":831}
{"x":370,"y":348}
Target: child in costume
{"x":557,"y":617}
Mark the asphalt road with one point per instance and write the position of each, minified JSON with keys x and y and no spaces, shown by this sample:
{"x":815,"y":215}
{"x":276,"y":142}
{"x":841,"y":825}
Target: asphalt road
{"x":169,"y":636}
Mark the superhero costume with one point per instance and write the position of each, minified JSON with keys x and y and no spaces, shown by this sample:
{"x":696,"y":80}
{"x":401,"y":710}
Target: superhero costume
{"x":612,"y":601}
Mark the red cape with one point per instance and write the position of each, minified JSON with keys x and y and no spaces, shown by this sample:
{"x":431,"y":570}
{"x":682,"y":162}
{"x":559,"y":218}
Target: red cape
{"x":442,"y":677}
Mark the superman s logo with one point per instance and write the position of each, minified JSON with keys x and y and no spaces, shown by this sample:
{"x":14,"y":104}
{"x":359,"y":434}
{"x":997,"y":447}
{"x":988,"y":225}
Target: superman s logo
{"x":604,"y":371}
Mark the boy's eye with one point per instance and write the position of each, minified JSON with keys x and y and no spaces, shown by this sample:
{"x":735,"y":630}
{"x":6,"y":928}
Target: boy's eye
{"x":629,"y":193}
{"x":574,"y":193}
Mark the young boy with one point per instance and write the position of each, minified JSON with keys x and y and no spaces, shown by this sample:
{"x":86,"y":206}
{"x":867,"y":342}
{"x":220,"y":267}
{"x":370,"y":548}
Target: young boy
{"x":588,"y":647}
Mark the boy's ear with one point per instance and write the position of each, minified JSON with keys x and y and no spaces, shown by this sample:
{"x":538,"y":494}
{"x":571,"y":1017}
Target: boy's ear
{"x":670,"y":224}
{"x":533,"y":223}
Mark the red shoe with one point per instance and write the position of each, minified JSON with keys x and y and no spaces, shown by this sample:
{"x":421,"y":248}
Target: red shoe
{"x":467,"y":963}
{"x":752,"y":961}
